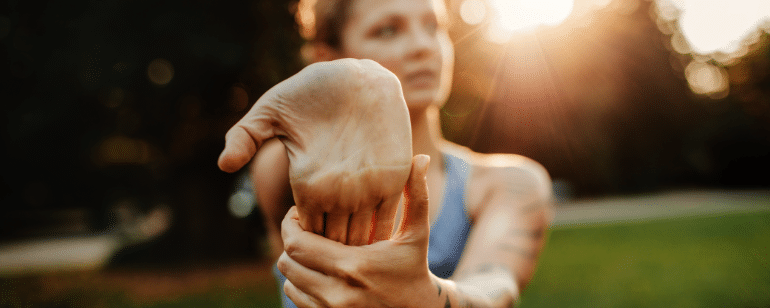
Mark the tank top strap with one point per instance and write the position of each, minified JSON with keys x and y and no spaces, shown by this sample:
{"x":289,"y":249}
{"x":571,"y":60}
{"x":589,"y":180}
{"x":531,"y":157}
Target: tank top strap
{"x":457,"y":171}
{"x":449,"y":232}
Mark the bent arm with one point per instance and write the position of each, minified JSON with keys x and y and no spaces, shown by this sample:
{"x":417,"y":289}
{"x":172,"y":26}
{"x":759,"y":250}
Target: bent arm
{"x":394,"y":273}
{"x":270,"y":176}
{"x":501,"y":254}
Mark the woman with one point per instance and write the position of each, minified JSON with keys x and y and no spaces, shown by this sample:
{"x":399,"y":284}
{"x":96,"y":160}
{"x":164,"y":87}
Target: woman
{"x":487,"y":214}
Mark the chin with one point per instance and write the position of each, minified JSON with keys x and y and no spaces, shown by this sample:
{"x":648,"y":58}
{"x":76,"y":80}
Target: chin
{"x":424,"y":99}
{"x":418,"y":107}
{"x":418,"y":103}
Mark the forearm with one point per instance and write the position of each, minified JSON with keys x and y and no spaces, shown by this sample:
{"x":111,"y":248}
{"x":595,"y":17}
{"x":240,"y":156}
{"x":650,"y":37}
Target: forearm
{"x":488,"y":289}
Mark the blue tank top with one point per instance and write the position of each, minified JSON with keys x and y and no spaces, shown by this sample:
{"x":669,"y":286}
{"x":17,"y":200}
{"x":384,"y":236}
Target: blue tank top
{"x":448,"y":233}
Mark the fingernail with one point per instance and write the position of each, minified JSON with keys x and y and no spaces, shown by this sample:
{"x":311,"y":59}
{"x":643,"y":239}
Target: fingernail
{"x":423,"y":161}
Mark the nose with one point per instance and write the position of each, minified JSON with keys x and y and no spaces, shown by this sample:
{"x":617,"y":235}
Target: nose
{"x":422,"y":43}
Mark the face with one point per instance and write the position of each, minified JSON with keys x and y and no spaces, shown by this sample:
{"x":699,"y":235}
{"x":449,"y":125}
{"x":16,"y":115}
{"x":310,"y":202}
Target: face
{"x":409,"y":38}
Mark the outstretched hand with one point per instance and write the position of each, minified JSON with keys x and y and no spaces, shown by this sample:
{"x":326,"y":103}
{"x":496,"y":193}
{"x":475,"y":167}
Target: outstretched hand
{"x":391,"y":273}
{"x":346,"y":129}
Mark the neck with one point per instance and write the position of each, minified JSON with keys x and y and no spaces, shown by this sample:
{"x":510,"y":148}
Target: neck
{"x":426,"y":134}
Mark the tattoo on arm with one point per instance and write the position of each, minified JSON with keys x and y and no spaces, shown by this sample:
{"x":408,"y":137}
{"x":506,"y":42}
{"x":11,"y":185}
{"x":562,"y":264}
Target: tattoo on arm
{"x":531,"y":207}
{"x":536,"y":234}
{"x":526,"y":232}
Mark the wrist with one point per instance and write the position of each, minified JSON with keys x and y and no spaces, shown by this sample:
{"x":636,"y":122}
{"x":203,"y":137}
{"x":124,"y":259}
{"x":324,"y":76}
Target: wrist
{"x":491,"y":289}
{"x":475,"y":291}
{"x":442,"y":293}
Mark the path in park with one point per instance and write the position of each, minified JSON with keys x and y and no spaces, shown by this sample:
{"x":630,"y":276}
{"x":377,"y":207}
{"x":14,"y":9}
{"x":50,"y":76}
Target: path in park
{"x":662,"y":205}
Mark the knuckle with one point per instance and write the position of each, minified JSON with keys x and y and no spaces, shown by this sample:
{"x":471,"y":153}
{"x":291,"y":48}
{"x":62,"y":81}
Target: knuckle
{"x":352,"y":271}
{"x":290,"y":245}
{"x":285,"y":223}
{"x":282,"y":264}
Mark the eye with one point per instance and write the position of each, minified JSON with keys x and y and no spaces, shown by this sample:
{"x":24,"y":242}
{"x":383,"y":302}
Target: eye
{"x":388,"y":28}
{"x":384,"y":32}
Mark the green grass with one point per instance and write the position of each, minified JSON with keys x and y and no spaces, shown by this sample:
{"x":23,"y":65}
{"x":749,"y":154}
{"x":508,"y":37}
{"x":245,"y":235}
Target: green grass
{"x":686,"y":262}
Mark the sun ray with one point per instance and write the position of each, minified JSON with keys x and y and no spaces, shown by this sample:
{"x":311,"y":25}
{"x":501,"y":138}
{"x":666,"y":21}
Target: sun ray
{"x":489,"y":95}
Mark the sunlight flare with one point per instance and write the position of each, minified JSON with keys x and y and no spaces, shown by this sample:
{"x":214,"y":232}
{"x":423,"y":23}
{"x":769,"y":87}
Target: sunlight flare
{"x":712,"y":26}
{"x":523,"y":15}
{"x":473,"y":11}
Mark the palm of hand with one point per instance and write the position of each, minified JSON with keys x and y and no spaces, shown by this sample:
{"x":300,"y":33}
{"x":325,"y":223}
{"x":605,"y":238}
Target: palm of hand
{"x":346,"y":129}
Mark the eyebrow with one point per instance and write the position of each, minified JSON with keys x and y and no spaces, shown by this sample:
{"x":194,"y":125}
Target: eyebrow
{"x":390,"y":16}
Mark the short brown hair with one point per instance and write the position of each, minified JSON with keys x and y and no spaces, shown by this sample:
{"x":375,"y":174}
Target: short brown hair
{"x":321,"y":21}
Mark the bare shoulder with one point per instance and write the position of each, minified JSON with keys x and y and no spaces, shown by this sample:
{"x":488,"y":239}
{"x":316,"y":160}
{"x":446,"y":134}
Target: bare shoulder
{"x":520,"y":180}
{"x":514,"y":173}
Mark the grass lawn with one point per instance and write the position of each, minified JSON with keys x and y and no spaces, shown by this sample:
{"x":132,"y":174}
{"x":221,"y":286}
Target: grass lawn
{"x":687,"y":262}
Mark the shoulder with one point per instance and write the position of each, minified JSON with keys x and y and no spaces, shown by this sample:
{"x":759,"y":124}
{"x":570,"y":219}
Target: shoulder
{"x":515,"y":178}
{"x":514,"y":174}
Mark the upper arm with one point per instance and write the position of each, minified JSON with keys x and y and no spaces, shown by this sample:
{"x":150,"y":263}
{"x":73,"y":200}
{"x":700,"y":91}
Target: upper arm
{"x":270,"y":176}
{"x":511,"y":223}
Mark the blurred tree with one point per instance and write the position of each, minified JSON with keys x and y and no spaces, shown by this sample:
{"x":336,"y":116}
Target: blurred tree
{"x":125,"y":103}
{"x":117,"y":104}
{"x":601,"y":101}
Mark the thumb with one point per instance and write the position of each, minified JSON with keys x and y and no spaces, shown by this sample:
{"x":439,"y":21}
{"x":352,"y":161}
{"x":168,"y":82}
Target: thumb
{"x":243,"y":139}
{"x":415,"y":220}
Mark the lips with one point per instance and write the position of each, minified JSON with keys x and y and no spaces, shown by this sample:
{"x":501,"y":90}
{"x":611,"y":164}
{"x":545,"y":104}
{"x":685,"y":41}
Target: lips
{"x":421,"y":78}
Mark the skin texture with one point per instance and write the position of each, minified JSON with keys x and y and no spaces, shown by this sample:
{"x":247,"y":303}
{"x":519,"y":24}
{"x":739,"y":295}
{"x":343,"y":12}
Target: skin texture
{"x":415,"y":46}
{"x":498,"y":261}
{"x":366,"y":276}
{"x":334,"y":119}
{"x":508,"y":197}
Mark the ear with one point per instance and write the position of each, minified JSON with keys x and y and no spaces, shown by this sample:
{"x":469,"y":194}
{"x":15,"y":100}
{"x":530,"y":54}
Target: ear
{"x":318,"y":52}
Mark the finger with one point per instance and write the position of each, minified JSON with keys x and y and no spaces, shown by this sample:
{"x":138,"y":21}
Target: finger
{"x":310,"y":221}
{"x":299,"y":298}
{"x":360,"y":227}
{"x":415,"y":221}
{"x":293,"y":222}
{"x":336,"y":228}
{"x":314,"y":251}
{"x":243,"y":140}
{"x":384,"y":218}
{"x":291,"y":217}
{"x":239,"y":149}
{"x":308,"y":281}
